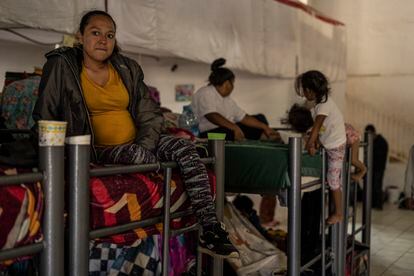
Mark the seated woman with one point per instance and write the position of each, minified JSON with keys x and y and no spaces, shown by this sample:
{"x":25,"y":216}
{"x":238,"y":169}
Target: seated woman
{"x":218,"y":112}
{"x":98,"y":91}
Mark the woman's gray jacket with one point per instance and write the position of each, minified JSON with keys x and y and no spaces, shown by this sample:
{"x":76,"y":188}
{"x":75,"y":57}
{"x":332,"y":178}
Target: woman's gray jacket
{"x":61,"y":97}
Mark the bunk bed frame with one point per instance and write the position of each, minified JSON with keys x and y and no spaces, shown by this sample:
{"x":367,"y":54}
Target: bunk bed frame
{"x":333,"y":255}
{"x":51,"y":249}
{"x":339,"y":232}
{"x":51,"y":165}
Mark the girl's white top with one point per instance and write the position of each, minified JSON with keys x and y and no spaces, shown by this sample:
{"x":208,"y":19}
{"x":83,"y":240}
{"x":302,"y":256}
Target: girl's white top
{"x":332,"y":133}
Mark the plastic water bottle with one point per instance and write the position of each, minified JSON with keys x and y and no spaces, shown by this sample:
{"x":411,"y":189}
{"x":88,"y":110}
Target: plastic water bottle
{"x":189,"y":121}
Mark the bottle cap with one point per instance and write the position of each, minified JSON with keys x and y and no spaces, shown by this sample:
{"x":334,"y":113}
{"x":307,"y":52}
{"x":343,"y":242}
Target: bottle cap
{"x":216,"y":136}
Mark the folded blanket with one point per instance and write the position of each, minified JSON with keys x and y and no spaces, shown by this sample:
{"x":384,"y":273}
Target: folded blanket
{"x":121,"y":199}
{"x":20,"y":212}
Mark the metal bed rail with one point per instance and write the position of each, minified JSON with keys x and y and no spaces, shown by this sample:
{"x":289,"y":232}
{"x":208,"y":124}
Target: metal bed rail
{"x":51,"y":165}
{"x":294,"y":210}
{"x":79,"y":230}
{"x":52,"y":252}
{"x":339,"y":232}
{"x":365,"y":228}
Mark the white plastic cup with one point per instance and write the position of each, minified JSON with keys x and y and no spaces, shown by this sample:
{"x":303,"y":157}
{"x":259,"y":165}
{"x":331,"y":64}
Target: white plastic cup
{"x":78,"y":140}
{"x":52,"y":133}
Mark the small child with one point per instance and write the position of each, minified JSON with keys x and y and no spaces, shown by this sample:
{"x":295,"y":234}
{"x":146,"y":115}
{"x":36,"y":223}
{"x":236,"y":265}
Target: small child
{"x":300,"y":118}
{"x":329,"y":126}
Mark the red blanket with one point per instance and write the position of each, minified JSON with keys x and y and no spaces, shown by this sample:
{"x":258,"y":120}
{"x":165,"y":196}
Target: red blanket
{"x":20,"y":212}
{"x":120,"y":199}
{"x":114,"y":200}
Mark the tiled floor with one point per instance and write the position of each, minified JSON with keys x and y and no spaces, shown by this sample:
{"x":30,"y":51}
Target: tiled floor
{"x":392,"y":242}
{"x":392,"y":239}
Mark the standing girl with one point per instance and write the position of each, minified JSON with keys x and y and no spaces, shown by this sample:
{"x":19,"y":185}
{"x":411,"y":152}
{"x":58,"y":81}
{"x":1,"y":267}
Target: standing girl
{"x":300,"y":118}
{"x":330,"y":128}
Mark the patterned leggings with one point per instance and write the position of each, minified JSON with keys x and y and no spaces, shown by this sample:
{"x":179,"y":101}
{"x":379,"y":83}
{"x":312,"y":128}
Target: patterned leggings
{"x":182,"y":151}
{"x":335,"y":162}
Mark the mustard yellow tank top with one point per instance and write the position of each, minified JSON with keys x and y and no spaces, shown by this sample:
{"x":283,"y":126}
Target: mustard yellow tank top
{"x":108,"y":110}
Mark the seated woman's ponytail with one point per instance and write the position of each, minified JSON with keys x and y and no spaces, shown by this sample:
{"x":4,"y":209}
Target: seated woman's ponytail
{"x":220,"y":74}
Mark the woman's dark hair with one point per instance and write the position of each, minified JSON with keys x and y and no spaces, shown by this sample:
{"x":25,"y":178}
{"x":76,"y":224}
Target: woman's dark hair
{"x":313,"y":81}
{"x":300,"y":118}
{"x":86,"y":18}
{"x":220,"y":74}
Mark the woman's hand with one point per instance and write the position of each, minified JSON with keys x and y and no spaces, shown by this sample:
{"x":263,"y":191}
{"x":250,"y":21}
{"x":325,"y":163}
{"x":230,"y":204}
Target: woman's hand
{"x":271,"y":133}
{"x":238,"y":133}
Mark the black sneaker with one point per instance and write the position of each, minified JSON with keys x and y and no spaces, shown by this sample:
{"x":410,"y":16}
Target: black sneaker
{"x":215,"y":242}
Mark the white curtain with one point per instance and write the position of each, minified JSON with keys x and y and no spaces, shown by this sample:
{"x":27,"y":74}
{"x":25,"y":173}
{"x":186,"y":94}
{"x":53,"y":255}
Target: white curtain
{"x":56,"y":15}
{"x":264,"y":37}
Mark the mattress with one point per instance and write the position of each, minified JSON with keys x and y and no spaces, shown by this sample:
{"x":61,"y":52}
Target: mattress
{"x":262,"y":167}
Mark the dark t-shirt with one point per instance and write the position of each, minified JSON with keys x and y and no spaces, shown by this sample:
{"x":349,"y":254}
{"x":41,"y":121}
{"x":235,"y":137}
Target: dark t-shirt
{"x":380,"y":153}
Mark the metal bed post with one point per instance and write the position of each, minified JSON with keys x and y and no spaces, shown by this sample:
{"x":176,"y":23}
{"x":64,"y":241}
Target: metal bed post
{"x":294,"y":208}
{"x":366,"y":214}
{"x":218,"y":151}
{"x":339,"y":230}
{"x":323,"y":188}
{"x":335,"y":247}
{"x":79,"y":152}
{"x":51,"y":162}
{"x":354,"y":216}
{"x":366,"y":218}
{"x":166,"y":221}
{"x":347,"y":212}
{"x":343,"y":225}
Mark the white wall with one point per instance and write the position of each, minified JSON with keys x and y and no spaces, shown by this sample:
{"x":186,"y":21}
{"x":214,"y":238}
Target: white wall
{"x":19,"y":57}
{"x":393,"y":95}
{"x":380,"y":65}
{"x":380,"y":51}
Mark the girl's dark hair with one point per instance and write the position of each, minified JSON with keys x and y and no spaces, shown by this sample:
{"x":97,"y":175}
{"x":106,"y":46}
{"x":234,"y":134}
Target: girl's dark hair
{"x":220,"y":74}
{"x":300,"y":118}
{"x":313,"y":81}
{"x":86,"y":18}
